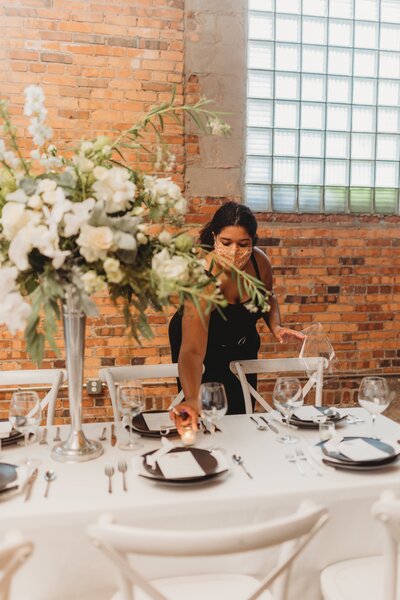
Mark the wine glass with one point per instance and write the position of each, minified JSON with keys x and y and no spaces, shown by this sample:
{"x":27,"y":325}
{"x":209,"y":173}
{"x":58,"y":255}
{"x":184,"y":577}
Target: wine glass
{"x":374,"y":396}
{"x":213,"y":404}
{"x":131,"y":401}
{"x":25,"y":412}
{"x":287,"y":396}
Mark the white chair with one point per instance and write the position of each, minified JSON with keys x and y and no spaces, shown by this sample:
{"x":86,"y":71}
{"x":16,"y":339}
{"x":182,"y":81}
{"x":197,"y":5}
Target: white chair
{"x":203,"y":578}
{"x":14,"y":551}
{"x":313,"y":367}
{"x":30,"y":377}
{"x":113,"y":376}
{"x":373,"y":577}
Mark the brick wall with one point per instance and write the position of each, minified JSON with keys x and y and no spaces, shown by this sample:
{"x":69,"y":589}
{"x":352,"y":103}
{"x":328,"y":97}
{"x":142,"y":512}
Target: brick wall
{"x":101,"y":64}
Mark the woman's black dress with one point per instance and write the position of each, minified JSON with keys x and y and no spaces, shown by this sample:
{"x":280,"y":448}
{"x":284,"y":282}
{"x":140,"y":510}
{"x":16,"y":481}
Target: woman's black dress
{"x":232,"y":338}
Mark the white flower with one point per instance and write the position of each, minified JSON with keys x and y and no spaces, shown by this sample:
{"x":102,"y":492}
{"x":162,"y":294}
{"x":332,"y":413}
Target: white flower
{"x":85,"y":165}
{"x":34,"y":100}
{"x":113,"y":271}
{"x":94,"y":242}
{"x":124,"y":241}
{"x":141,"y":239}
{"x":8,"y":276}
{"x":165,"y":238}
{"x":39,"y":131}
{"x":35,"y":202}
{"x":164,"y":192}
{"x":174,"y":268}
{"x":18,"y":196}
{"x":14,"y":217}
{"x":92,"y":282}
{"x":11,"y":159}
{"x":113,"y":188}
{"x":14,"y":312}
{"x":86,"y":147}
{"x":181,"y":206}
{"x":79,"y":215}
{"x":218,"y":127}
{"x":20,"y":247}
{"x":2,"y":149}
{"x":46,"y":186}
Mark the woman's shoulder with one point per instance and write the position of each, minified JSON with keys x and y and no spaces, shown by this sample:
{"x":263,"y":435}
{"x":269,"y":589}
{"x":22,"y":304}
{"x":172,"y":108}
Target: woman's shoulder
{"x":262,"y":259}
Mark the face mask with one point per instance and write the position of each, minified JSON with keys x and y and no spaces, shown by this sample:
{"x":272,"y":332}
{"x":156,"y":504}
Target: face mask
{"x":232,"y":255}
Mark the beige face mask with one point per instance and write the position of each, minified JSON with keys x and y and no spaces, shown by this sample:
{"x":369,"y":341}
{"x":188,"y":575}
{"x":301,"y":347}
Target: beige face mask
{"x":232,"y":255}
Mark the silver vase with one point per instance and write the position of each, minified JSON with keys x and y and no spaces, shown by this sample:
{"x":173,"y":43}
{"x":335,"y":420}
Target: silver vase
{"x":76,"y":448}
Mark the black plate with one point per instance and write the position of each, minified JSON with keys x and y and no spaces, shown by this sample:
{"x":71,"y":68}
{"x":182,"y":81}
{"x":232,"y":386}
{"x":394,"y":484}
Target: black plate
{"x":205,"y":459}
{"x":331,"y":415}
{"x":340,"y":459}
{"x":8,"y":474}
{"x":139,"y":426}
{"x":356,"y":467}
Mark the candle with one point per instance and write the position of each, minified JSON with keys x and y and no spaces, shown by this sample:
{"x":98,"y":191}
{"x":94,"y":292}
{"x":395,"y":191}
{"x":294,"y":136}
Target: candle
{"x":188,"y":436}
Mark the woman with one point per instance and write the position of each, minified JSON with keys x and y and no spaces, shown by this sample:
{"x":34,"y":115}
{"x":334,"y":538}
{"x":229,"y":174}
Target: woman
{"x":214,"y":340}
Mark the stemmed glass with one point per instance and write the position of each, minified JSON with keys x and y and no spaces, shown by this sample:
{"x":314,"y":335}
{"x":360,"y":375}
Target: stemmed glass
{"x":25,"y":412}
{"x":131,"y":401}
{"x":287,"y":396}
{"x":374,"y":396}
{"x":213,"y":404}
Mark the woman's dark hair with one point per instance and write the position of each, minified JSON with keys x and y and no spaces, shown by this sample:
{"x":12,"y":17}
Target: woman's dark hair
{"x":228,"y":215}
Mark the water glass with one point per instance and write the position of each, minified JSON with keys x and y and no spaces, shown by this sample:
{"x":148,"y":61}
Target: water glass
{"x":287,"y":396}
{"x":374,"y":396}
{"x":326,"y":430}
{"x":213,"y":404}
{"x":131,"y":401}
{"x":25,"y":413}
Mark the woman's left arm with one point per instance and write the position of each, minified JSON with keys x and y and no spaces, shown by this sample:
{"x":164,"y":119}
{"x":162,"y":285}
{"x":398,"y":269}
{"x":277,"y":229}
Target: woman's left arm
{"x":273,"y":316}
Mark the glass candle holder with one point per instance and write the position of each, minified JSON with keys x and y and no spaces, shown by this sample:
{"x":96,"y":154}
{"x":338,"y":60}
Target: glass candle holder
{"x":326,"y":430}
{"x":188,"y":436}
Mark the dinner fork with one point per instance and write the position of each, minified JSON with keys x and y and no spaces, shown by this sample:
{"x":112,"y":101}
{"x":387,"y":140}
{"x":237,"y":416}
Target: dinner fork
{"x":44,"y":436}
{"x":57,"y":437}
{"x":293,"y":459}
{"x":301,"y":456}
{"x":109,"y":471}
{"x":122,"y":468}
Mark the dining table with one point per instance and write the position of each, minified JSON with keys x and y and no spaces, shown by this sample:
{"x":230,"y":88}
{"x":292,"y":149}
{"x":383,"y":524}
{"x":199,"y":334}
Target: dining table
{"x":65,"y":563}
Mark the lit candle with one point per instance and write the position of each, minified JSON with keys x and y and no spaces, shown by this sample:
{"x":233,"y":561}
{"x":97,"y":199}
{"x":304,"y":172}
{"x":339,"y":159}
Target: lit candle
{"x":188,"y":436}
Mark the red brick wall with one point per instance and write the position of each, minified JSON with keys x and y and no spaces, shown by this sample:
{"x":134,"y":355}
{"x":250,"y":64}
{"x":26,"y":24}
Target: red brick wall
{"x":101,"y":64}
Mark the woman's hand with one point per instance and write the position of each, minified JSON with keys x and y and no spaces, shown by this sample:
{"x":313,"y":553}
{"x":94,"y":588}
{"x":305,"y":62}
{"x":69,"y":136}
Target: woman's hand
{"x":185,"y":415}
{"x":283,"y":333}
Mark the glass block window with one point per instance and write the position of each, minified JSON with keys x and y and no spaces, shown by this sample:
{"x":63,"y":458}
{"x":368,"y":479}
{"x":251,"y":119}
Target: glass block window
{"x":323,"y":106}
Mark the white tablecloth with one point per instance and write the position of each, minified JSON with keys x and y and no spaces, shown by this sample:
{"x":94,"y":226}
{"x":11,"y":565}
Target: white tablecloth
{"x":66,"y":565}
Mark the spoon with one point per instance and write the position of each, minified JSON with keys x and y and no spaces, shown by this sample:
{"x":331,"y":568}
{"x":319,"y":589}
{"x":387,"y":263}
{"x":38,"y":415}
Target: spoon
{"x":259,"y":425}
{"x":238,"y":460}
{"x":49,"y":477}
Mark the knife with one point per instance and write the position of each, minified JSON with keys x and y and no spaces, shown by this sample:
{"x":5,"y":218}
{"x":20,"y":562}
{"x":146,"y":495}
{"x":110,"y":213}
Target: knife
{"x":113,"y":436}
{"x":272,"y":427}
{"x":31,"y":481}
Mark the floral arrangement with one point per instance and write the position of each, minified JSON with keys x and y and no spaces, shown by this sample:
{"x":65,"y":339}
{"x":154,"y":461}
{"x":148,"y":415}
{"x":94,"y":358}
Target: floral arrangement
{"x":92,"y":222}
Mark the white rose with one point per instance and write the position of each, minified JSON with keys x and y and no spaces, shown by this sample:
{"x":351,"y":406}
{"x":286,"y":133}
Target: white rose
{"x":14,"y":217}
{"x":92,"y":282}
{"x":113,"y":271}
{"x":46,"y":185}
{"x":165,"y":238}
{"x":79,"y":215}
{"x":94,"y":242}
{"x":14,"y":312}
{"x":166,"y":267}
{"x":35,"y":202}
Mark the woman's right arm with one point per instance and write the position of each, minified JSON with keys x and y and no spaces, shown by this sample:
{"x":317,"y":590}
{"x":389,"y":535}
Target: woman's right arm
{"x":190,"y":363}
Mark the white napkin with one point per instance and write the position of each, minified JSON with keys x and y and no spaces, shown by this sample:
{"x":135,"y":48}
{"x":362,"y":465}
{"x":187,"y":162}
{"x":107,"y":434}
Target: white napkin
{"x":157,"y":421}
{"x":331,"y":445}
{"x":22,"y":475}
{"x":307,"y":413}
{"x":5,"y":429}
{"x":360,"y":450}
{"x":180,"y":464}
{"x":166,"y":446}
{"x":223,"y":465}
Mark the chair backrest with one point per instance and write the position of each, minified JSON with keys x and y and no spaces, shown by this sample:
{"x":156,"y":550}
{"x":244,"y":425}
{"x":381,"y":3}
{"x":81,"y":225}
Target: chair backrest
{"x":313,"y":367}
{"x":387,"y":511}
{"x":14,"y":551}
{"x":29,"y":377}
{"x":113,"y":376}
{"x":119,"y":541}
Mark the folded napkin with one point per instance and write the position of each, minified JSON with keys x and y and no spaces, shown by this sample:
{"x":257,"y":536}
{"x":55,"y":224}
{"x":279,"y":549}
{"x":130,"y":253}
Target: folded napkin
{"x":185,"y":466}
{"x":360,"y":450}
{"x":307,"y":413}
{"x":5,"y":429}
{"x":157,"y":421}
{"x":166,"y":446}
{"x":22,"y":472}
{"x":180,"y":464}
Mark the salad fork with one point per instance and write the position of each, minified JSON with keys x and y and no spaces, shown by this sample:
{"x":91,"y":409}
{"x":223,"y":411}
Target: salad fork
{"x":122,"y":468}
{"x":109,"y":471}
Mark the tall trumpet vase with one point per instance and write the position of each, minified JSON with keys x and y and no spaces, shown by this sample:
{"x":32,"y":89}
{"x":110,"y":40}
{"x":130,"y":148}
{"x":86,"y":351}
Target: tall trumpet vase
{"x":77,"y":448}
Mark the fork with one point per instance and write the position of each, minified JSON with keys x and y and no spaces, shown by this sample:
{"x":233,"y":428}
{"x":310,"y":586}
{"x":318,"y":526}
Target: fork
{"x":301,"y":456}
{"x":122,"y":468}
{"x":109,"y":471}
{"x":103,"y":436}
{"x":292,"y":459}
{"x":44,"y":436}
{"x":57,"y":437}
